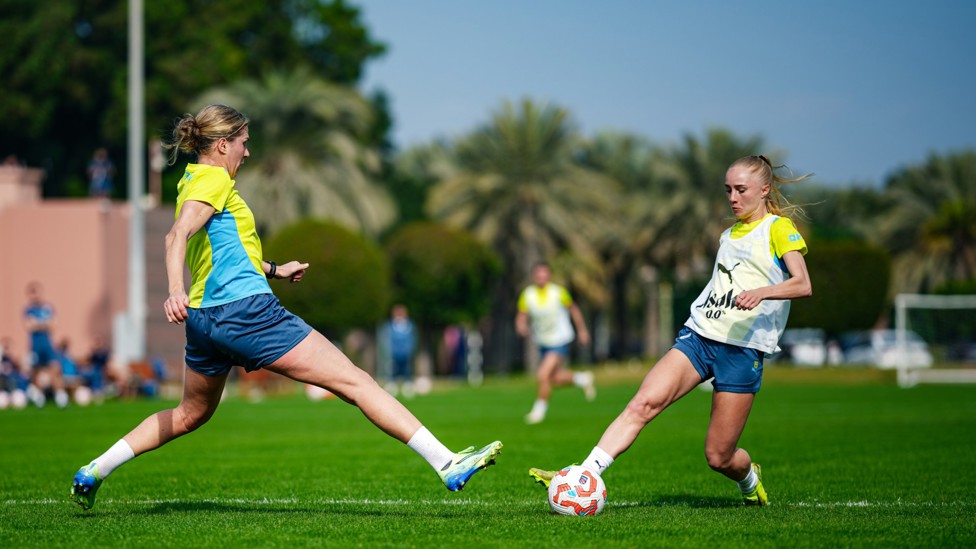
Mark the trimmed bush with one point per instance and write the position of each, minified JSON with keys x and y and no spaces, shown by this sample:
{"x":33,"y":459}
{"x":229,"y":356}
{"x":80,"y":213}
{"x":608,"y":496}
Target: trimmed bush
{"x":347,"y":283}
{"x":444,"y":276}
{"x":850,"y":287}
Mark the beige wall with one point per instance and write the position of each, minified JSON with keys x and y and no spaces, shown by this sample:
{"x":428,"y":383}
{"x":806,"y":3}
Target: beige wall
{"x":19,"y":185}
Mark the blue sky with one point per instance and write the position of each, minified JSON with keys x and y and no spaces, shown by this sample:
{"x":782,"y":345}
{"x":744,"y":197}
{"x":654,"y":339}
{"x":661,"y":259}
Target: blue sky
{"x":850,"y":90}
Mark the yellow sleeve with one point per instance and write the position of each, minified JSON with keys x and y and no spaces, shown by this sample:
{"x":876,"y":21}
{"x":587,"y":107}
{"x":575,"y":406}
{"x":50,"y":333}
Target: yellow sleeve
{"x":523,"y":306}
{"x":785,"y":238}
{"x":564,"y":297}
{"x":212,"y":187}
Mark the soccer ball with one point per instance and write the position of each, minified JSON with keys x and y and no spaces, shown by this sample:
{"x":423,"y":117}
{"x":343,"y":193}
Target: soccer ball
{"x":576,"y":490}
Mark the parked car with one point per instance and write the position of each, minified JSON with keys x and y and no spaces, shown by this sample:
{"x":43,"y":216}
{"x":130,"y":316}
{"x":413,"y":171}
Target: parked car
{"x":962,"y":352}
{"x":803,"y":347}
{"x":880,"y":348}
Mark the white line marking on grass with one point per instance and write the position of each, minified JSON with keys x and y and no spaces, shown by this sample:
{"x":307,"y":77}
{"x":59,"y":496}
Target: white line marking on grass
{"x":476,"y":503}
{"x":263,"y":501}
{"x":814,"y":504}
{"x":897,"y":503}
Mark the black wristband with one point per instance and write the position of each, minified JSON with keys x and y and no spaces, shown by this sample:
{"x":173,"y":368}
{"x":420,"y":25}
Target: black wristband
{"x":272,"y":270}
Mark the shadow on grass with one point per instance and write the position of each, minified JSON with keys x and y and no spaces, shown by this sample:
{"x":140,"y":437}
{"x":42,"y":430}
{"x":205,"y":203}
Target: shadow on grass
{"x":188,"y":507}
{"x":682,"y":500}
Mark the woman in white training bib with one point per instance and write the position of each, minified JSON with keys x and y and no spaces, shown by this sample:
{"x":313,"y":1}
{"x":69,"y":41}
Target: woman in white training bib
{"x":736,"y":321}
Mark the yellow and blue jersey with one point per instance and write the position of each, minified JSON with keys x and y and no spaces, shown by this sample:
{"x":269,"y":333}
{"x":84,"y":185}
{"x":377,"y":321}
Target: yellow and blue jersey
{"x":225,"y":256}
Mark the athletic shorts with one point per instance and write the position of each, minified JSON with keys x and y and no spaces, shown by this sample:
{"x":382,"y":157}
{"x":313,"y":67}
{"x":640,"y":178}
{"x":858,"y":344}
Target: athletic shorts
{"x":251,"y":332}
{"x":561,"y":350}
{"x":42,"y":352}
{"x":735,"y":369}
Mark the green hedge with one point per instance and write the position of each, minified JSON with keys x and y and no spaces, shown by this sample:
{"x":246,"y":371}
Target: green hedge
{"x":347,"y":282}
{"x":444,"y":276}
{"x":850,"y":287}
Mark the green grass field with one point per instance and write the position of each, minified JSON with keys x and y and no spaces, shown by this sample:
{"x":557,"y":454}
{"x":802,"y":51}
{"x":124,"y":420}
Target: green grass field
{"x":849,"y":460}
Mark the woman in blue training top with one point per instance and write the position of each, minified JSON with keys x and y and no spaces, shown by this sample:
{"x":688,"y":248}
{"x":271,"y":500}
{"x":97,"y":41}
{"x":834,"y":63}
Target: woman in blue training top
{"x":738,"y":319}
{"x":232,"y":318}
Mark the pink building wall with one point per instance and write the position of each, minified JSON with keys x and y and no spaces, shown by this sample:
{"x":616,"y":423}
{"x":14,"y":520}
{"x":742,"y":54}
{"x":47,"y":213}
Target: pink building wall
{"x":77,"y":250}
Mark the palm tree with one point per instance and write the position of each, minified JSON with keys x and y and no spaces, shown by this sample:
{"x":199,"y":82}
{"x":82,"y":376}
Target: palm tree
{"x":515,"y":184}
{"x":430,"y":162}
{"x":695,"y":172}
{"x":632,"y":243}
{"x":307,"y":147}
{"x":930,"y":227}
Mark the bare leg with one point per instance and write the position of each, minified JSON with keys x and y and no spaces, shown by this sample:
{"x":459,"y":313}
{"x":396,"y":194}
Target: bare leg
{"x":57,"y":377}
{"x":670,"y":379}
{"x":729,"y":414}
{"x":48,"y":377}
{"x":551,"y":374}
{"x":201,"y":395}
{"x":318,"y":362}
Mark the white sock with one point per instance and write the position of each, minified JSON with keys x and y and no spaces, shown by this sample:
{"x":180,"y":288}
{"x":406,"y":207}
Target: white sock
{"x":581,"y":379}
{"x":119,"y":453}
{"x":598,"y":460}
{"x":540,"y":407}
{"x":431,"y":449}
{"x":749,"y":483}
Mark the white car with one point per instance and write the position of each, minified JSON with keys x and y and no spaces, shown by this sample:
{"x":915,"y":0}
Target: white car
{"x":880,"y":348}
{"x":804,"y":346}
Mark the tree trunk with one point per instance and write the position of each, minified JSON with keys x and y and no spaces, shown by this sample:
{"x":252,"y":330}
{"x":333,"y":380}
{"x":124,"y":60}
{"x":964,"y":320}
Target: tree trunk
{"x":620,"y":326}
{"x":652,"y":328}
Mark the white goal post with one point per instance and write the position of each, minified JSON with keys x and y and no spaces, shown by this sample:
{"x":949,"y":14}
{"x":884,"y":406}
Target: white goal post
{"x":908,"y":376}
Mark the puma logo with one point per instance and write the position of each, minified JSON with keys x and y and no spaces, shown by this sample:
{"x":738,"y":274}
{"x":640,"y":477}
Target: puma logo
{"x":728,"y":272}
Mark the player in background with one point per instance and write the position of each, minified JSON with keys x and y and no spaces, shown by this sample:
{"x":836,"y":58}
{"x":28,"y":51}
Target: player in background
{"x":45,"y":368}
{"x":100,"y":171}
{"x":737,"y":319}
{"x":544,"y":311}
{"x":398,"y":341}
{"x":232,"y":318}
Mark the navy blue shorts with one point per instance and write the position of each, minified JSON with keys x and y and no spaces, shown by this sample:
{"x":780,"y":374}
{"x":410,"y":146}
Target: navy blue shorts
{"x":42,"y":352}
{"x":735,"y":369}
{"x":251,"y":332}
{"x":561,"y":350}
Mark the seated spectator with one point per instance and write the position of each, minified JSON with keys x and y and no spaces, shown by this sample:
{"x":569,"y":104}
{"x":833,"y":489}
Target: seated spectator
{"x":13,"y":381}
{"x":69,"y":368}
{"x":147,"y":377}
{"x":97,"y":370}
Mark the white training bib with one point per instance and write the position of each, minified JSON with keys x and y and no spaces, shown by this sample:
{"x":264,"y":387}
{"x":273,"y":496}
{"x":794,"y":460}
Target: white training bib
{"x":548,"y":316}
{"x":742,"y":264}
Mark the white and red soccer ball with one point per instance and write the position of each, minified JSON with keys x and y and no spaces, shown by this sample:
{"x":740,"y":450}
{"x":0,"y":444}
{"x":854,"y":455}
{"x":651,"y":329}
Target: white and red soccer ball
{"x":576,"y":490}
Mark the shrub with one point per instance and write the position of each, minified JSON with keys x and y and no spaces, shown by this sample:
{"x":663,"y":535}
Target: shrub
{"x":850,"y":286}
{"x":347,"y":284}
{"x":443,"y":275}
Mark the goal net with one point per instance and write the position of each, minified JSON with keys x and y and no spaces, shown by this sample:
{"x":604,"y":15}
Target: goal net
{"x":947,"y":325}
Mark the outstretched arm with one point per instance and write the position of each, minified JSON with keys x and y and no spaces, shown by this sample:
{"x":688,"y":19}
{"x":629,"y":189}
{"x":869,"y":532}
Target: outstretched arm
{"x":798,"y":285}
{"x":293,"y":270}
{"x":581,"y":331}
{"x":522,"y":324}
